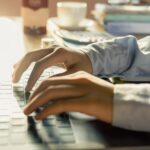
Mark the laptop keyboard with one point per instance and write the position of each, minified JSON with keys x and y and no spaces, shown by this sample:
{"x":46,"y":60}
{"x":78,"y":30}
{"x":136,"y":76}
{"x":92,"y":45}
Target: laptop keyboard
{"x":16,"y":128}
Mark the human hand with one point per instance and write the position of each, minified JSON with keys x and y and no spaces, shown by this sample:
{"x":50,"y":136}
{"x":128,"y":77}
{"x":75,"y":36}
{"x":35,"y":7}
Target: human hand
{"x":77,"y":92}
{"x":73,"y":60}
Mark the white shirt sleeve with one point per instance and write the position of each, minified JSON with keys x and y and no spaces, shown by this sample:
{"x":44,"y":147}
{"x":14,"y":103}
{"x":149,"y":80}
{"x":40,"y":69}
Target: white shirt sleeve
{"x":112,"y":57}
{"x":129,"y":58}
{"x":123,"y":57}
{"x":131,"y":108}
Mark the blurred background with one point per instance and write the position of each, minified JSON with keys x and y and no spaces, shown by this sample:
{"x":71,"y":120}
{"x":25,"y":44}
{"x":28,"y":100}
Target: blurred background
{"x":12,"y":7}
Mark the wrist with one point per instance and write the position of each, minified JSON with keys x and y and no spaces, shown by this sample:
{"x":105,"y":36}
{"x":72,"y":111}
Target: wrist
{"x":88,"y":66}
{"x":109,"y":105}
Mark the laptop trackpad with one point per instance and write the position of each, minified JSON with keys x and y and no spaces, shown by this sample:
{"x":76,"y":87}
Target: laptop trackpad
{"x":94,"y":131}
{"x":84,"y":128}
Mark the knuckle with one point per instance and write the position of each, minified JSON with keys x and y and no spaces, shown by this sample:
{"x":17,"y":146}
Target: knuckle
{"x":59,"y":50}
{"x":81,"y":77}
{"x":81,"y":72}
{"x":28,"y":55}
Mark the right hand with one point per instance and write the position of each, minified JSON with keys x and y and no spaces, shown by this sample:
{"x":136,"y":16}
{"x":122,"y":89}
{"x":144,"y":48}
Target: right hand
{"x":73,"y":60}
{"x":76,"y":92}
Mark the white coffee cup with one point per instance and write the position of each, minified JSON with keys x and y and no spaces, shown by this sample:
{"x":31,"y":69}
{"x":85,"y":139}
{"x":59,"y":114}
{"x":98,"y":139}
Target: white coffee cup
{"x":70,"y":14}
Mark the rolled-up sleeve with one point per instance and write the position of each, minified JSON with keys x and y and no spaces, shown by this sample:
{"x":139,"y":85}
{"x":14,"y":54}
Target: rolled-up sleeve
{"x":131,"y":106}
{"x":124,"y":57}
{"x":130,"y":59}
{"x":112,"y":57}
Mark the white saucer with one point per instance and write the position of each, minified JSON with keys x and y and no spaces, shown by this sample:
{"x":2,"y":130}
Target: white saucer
{"x":82,"y":26}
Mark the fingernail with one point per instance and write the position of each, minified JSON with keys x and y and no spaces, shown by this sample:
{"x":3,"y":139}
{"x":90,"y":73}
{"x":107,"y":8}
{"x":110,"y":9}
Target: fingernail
{"x":26,"y":111}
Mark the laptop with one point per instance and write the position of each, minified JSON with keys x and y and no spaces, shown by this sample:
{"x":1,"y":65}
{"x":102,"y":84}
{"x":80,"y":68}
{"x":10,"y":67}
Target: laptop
{"x":65,"y":131}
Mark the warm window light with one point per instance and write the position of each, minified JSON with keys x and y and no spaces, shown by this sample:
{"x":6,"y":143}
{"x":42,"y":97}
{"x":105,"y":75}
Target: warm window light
{"x":10,"y":41}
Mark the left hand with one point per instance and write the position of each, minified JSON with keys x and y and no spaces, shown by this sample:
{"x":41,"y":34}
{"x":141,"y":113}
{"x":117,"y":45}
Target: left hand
{"x":77,"y":92}
{"x":73,"y":60}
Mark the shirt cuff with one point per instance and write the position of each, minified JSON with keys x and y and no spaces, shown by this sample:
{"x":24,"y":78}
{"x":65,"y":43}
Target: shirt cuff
{"x":131,"y":108}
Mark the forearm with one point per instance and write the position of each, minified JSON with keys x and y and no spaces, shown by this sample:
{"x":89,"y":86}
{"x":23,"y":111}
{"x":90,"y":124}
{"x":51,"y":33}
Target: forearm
{"x":112,"y":57}
{"x":122,"y":57}
{"x":131,"y":106}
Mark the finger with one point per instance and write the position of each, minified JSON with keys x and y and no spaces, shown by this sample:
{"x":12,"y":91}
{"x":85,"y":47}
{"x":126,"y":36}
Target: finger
{"x":70,"y":70}
{"x":69,"y":105}
{"x":16,"y":64}
{"x":66,"y":78}
{"x":57,"y":56}
{"x":20,"y":67}
{"x":51,"y":94}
